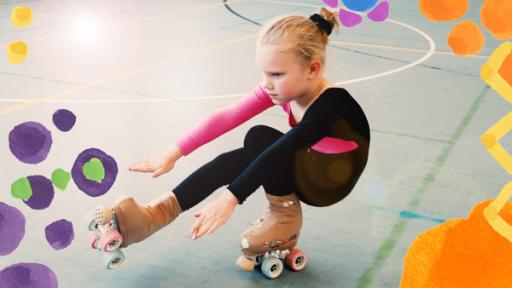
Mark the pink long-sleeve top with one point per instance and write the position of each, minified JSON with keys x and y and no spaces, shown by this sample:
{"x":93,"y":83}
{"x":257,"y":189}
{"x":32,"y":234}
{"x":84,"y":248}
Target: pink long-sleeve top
{"x":227,"y":118}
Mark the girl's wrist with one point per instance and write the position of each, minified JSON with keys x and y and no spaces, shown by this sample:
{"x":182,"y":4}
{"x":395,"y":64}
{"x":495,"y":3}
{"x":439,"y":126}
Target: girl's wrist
{"x":230,"y":197}
{"x":174,"y":153}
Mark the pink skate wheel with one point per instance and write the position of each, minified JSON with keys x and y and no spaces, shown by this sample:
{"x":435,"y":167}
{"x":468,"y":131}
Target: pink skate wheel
{"x":93,"y":239}
{"x":296,"y":260}
{"x":111,"y":240}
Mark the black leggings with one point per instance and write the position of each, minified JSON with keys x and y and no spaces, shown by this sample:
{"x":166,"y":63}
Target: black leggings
{"x":318,"y":179}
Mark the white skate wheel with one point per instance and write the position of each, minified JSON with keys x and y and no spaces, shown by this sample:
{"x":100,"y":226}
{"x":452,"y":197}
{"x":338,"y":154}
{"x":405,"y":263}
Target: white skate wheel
{"x":113,"y":260}
{"x":90,"y":221}
{"x":272,"y":267}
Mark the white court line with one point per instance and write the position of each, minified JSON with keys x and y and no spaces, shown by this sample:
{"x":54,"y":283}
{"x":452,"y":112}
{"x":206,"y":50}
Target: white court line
{"x":430,"y":52}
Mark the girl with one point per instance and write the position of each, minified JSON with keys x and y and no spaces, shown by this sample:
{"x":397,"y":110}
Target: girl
{"x":317,"y":162}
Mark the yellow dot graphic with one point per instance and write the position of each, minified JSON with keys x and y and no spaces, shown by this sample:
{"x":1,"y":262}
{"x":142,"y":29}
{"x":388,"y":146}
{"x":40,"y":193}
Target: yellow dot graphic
{"x":489,"y":140}
{"x":21,"y":16}
{"x":17,"y":52}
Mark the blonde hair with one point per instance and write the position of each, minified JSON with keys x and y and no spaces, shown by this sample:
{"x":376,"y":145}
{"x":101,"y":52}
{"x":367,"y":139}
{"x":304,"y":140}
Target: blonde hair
{"x":299,"y":35}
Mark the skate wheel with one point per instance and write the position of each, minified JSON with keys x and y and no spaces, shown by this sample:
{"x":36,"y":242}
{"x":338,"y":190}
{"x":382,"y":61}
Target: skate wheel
{"x":296,"y":260}
{"x":245,"y":263}
{"x":90,"y":221}
{"x":113,"y":259}
{"x":272,"y":267}
{"x":103,"y":215}
{"x":93,"y":239}
{"x":111,"y":240}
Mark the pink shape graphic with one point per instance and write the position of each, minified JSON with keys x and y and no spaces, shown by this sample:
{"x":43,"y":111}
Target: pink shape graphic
{"x":331,"y":3}
{"x":380,"y":12}
{"x":349,"y":19}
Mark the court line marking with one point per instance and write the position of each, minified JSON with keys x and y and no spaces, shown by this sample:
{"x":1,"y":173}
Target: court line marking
{"x":429,"y":178}
{"x":130,"y":21}
{"x":52,"y":98}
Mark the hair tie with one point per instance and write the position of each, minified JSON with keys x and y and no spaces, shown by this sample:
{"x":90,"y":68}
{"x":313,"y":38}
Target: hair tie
{"x":323,"y":24}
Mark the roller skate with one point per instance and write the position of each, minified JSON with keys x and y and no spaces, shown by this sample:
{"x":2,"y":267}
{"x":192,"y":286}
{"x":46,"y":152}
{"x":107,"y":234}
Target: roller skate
{"x":104,"y":235}
{"x":138,"y":222}
{"x":270,"y":242}
{"x":131,"y":222}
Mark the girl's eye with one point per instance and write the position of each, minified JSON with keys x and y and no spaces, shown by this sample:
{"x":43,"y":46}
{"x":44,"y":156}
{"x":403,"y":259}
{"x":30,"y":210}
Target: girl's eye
{"x":277,"y":74}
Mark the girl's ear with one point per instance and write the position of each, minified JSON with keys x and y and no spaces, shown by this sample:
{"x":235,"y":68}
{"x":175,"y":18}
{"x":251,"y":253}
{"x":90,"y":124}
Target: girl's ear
{"x":315,"y":66}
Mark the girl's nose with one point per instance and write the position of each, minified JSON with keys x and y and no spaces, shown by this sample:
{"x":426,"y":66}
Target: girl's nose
{"x":267,"y":84}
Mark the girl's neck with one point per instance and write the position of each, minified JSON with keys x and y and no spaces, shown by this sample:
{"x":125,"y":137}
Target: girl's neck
{"x":318,"y":89}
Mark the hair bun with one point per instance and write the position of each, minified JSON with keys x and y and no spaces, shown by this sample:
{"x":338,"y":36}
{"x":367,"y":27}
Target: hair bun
{"x":323,"y":24}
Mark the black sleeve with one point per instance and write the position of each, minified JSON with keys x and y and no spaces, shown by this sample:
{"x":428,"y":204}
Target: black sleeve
{"x":314,"y":126}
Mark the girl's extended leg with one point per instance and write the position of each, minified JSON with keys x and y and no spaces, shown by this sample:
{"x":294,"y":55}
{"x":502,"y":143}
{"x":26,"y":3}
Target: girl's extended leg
{"x":137,"y":222}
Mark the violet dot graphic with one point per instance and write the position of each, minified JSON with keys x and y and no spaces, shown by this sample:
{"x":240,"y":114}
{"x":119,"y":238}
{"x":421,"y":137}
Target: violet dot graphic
{"x":42,"y":192}
{"x":59,"y":234}
{"x":93,"y":188}
{"x":30,"y":142}
{"x":380,"y":12}
{"x":28,"y":275}
{"x":331,"y":3}
{"x":64,"y":119}
{"x":12,"y":228}
{"x":349,"y":19}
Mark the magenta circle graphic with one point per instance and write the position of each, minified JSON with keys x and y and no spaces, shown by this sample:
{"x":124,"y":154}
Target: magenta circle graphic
{"x":92,"y":188}
{"x":30,"y":142}
{"x":12,"y":228}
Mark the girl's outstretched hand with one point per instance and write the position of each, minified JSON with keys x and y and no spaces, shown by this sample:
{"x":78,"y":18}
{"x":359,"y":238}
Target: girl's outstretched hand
{"x":159,"y":164}
{"x":214,"y":214}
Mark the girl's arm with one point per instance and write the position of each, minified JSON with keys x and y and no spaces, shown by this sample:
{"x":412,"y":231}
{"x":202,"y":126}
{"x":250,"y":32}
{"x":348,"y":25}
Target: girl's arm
{"x":224,"y":120}
{"x":210,"y":128}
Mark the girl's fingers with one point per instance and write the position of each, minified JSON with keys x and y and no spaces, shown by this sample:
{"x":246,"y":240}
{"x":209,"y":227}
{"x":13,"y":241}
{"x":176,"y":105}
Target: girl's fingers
{"x":214,"y":227}
{"x":142,"y":166}
{"x":202,"y":230}
{"x":197,"y":224}
{"x":205,"y":226}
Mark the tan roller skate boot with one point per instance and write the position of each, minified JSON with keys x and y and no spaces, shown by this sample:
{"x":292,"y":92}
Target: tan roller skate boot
{"x":137,"y":222}
{"x":277,"y":229}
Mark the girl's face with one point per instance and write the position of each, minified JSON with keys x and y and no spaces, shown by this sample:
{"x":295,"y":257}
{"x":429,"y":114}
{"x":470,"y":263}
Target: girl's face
{"x":284,"y":77}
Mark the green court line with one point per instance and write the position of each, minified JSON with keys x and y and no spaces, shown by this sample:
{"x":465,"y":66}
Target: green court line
{"x":389,"y":243}
{"x":411,"y":136}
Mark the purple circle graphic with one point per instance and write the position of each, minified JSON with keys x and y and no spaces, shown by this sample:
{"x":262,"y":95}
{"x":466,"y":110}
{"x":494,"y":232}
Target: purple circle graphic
{"x":42,"y":192}
{"x":64,"y":119}
{"x":92,"y":188}
{"x":12,"y":228}
{"x":28,"y":275}
{"x":30,"y":142}
{"x":59,"y":234}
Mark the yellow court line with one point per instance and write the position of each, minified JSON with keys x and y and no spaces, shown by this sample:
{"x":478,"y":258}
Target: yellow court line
{"x":128,"y":73}
{"x":134,"y":20}
{"x":397,"y":48}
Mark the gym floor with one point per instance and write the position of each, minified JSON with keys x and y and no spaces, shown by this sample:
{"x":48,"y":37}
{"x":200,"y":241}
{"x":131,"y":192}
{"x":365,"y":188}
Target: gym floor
{"x":140,"y":74}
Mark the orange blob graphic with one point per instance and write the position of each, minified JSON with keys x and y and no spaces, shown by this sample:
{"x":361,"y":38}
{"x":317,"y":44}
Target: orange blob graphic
{"x":466,"y":38}
{"x":506,"y":69}
{"x":461,"y":253}
{"x":443,"y":10}
{"x":496,"y":16}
